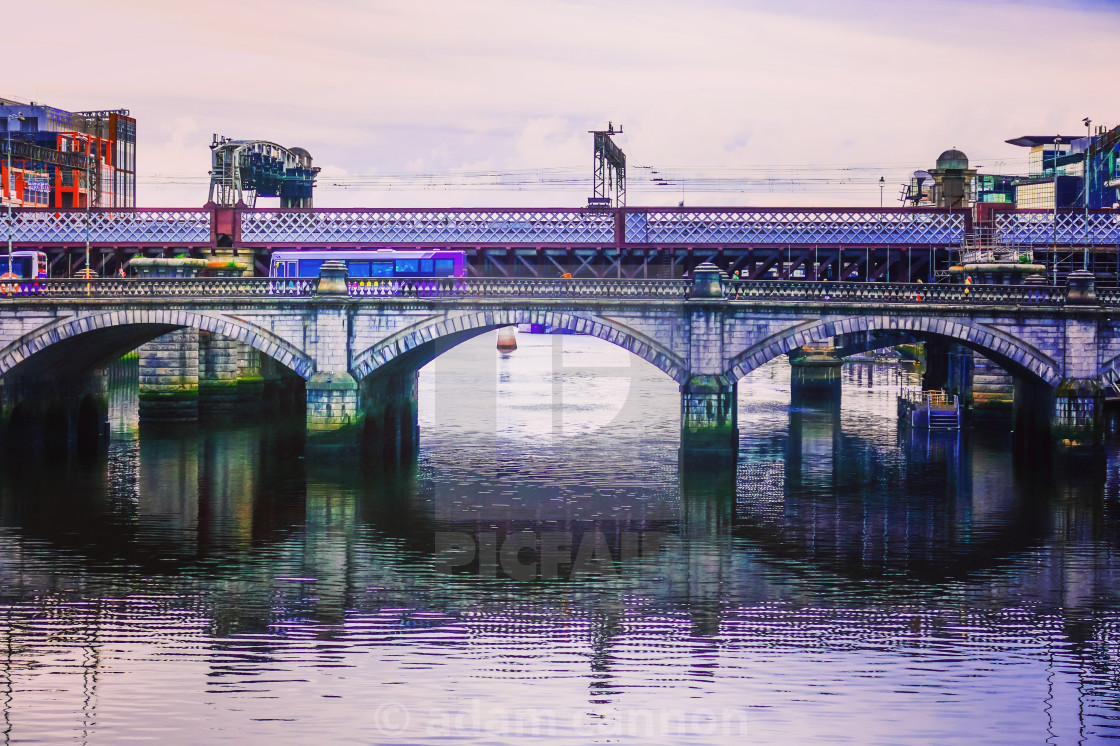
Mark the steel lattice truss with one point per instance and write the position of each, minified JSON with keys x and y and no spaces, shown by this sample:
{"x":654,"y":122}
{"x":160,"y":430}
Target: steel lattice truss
{"x":1038,"y":228}
{"x":436,"y":226}
{"x":793,"y":227}
{"x":572,"y":228}
{"x":133,"y":227}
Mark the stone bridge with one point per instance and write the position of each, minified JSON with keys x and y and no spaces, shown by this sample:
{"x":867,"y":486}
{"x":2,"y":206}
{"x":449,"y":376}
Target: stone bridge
{"x":357,"y":345}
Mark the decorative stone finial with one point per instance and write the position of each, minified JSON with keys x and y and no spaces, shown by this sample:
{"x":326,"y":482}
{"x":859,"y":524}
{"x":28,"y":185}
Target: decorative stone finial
{"x":706,"y":281}
{"x":332,"y":278}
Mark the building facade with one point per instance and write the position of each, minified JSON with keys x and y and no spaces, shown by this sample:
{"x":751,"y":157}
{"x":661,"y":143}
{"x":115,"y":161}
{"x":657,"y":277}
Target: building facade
{"x":64,"y":159}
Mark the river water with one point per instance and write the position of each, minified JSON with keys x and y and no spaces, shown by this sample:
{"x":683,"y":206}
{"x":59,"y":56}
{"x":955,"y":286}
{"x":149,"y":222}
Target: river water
{"x":546,"y":574}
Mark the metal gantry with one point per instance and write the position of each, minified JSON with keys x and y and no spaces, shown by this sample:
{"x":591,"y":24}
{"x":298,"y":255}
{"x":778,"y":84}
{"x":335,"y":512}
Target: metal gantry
{"x":608,"y":169}
{"x":242,"y":170}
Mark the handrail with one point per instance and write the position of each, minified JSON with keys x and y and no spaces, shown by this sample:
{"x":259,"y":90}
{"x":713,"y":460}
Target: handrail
{"x":899,"y":292}
{"x":735,"y":291}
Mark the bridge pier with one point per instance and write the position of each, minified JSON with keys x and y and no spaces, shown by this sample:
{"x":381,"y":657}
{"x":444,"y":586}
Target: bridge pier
{"x":1077,"y":417}
{"x":335,"y":421}
{"x":250,"y":378}
{"x":815,"y":376}
{"x":389,"y":403}
{"x":709,"y":399}
{"x":169,"y":377}
{"x":219,"y":361}
{"x":709,"y":421}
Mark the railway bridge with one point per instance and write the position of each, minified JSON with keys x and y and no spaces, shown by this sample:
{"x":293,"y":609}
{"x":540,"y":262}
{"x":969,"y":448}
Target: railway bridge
{"x":357,"y":345}
{"x":833,"y":243}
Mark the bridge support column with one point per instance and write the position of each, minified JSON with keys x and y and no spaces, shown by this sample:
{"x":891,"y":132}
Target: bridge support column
{"x":169,"y":378}
{"x":1077,"y":419}
{"x":709,"y":400}
{"x":815,"y":376}
{"x":709,"y":421}
{"x":391,"y":425}
{"x":250,"y":380}
{"x":334,"y":420}
{"x":219,"y":359}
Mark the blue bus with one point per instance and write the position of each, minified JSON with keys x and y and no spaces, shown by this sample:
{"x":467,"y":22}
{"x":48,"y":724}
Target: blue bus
{"x":372,"y":263}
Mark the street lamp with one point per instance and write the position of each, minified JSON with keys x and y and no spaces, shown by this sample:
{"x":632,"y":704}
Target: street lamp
{"x":1086,"y":184}
{"x":1054,"y":245}
{"x":882,"y":183}
{"x":8,"y":187}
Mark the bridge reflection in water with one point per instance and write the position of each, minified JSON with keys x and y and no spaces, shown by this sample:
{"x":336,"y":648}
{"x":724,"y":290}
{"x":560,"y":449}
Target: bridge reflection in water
{"x":842,"y":557}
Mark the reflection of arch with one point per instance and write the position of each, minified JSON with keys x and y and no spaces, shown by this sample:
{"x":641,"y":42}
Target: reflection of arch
{"x":421,"y":339}
{"x":1109,"y":373}
{"x":1010,"y":353}
{"x":158,"y":321}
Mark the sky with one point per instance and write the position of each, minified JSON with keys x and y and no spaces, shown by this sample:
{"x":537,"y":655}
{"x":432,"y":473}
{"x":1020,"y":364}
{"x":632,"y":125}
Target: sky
{"x":489,"y":102}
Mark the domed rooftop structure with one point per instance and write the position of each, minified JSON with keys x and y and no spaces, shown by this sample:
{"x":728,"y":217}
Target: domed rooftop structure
{"x":952,"y":158}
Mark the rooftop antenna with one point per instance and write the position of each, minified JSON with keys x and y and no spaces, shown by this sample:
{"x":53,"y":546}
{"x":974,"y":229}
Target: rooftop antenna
{"x":608,"y":170}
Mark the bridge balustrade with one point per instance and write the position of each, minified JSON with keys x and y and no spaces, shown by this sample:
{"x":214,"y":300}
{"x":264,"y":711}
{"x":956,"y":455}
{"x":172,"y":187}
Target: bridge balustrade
{"x":896,"y":292}
{"x":164,"y":287}
{"x":549,"y":289}
{"x":537,"y":288}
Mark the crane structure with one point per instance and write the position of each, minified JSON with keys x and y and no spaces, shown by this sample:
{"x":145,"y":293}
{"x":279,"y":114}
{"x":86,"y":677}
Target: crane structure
{"x":242,"y":170}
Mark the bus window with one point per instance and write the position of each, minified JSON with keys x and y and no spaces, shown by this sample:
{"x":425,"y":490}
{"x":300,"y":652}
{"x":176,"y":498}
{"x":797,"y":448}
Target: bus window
{"x":21,"y":266}
{"x":309,"y":267}
{"x":445,"y":267}
{"x":407,"y":267}
{"x":426,"y":266}
{"x":358,"y":269}
{"x":278,"y":269}
{"x":380,"y":269}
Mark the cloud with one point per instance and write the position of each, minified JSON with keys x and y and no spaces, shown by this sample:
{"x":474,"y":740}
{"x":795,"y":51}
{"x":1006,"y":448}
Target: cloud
{"x":436,"y":85}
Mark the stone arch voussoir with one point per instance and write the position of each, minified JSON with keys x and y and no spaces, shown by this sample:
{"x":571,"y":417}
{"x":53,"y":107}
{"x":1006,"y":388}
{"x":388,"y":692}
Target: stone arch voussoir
{"x":983,"y":338}
{"x":433,"y":329}
{"x":256,"y":337}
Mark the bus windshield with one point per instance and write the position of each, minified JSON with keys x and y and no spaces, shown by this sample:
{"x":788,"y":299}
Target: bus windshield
{"x":21,"y":265}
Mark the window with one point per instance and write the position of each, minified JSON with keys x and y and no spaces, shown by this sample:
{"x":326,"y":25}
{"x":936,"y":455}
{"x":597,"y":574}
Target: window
{"x":406,"y":267}
{"x":358,"y":268}
{"x":445,"y":267}
{"x":426,"y":266}
{"x":380,"y":269}
{"x":309,"y":267}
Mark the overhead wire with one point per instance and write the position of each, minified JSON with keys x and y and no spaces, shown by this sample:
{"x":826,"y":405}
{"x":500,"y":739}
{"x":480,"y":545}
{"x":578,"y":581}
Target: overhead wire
{"x":764,"y":177}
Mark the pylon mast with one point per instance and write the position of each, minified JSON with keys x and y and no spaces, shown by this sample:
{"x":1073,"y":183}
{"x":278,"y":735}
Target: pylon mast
{"x":608,"y":168}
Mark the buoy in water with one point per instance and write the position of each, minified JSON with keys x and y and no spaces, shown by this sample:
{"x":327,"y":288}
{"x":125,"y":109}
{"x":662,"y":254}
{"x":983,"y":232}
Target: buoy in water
{"x":507,"y":339}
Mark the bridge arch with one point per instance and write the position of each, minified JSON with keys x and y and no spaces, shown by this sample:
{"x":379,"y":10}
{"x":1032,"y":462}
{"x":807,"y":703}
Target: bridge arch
{"x":130,"y":328}
{"x":1011,"y":353}
{"x":419,"y":342}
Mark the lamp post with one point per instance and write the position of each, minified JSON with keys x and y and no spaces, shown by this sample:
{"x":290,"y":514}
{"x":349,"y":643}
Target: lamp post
{"x":1086,"y":183}
{"x":882,"y":183}
{"x":1054,"y":245}
{"x":89,"y":195}
{"x":8,"y":188}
